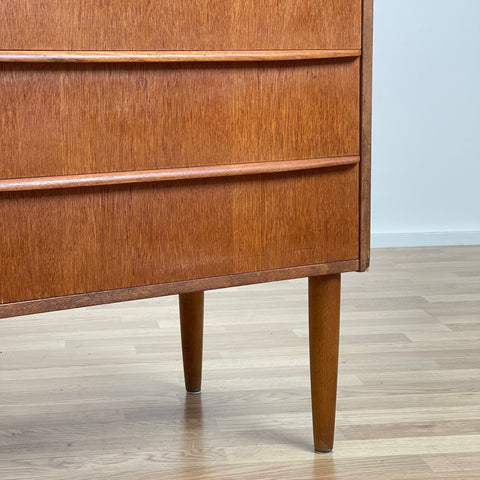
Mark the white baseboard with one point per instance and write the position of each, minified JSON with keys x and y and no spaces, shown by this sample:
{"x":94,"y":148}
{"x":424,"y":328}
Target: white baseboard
{"x":424,"y":239}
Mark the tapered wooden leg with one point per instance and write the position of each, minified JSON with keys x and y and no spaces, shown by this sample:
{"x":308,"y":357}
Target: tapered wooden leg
{"x":324,"y":321}
{"x":191,"y":324}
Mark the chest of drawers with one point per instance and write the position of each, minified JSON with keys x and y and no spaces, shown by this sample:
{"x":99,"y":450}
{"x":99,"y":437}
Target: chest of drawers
{"x":155,"y":148}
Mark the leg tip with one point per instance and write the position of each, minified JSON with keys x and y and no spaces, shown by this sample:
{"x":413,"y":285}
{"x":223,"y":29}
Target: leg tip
{"x":198,"y":392}
{"x":323,"y":452}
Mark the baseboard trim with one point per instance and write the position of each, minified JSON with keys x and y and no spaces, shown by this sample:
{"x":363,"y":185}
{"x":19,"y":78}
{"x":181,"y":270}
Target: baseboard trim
{"x":424,"y":239}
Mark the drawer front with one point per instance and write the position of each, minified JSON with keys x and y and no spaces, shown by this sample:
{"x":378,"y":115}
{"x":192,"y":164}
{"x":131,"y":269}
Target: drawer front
{"x":74,"y":119}
{"x":180,"y":24}
{"x":63,"y":242}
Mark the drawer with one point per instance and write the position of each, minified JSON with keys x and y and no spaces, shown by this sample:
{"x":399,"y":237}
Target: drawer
{"x":180,"y":24}
{"x":62,"y":242}
{"x":60,"y":119}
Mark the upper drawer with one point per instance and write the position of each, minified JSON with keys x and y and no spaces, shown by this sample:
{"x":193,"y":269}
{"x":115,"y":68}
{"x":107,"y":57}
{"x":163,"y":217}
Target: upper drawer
{"x":66,"y":119}
{"x":180,"y":24}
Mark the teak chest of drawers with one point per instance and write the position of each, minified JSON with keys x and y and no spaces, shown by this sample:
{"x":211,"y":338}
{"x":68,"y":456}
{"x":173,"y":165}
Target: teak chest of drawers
{"x":155,"y":148}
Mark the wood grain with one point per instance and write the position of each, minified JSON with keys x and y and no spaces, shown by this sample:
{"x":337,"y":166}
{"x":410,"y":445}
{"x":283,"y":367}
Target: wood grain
{"x":64,"y":242}
{"x":98,"y":392}
{"x":171,"y":174}
{"x":180,"y":25}
{"x":63,"y":119}
{"x":38,"y":56}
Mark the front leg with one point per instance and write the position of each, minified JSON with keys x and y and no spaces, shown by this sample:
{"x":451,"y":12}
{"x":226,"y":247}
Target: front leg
{"x":324,"y":323}
{"x":191,"y":324}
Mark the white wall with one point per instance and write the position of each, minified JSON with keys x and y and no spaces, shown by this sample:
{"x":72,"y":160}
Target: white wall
{"x":426,"y":123}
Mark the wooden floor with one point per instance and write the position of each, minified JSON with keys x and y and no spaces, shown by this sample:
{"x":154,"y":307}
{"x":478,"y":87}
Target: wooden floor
{"x":97,"y":393}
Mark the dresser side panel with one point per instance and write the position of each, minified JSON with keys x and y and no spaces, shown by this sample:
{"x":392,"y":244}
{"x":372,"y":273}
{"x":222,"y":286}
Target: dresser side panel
{"x":366,"y":133}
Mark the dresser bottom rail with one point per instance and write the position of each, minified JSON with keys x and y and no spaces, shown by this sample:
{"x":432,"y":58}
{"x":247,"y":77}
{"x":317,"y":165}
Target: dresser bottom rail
{"x":148,"y":291}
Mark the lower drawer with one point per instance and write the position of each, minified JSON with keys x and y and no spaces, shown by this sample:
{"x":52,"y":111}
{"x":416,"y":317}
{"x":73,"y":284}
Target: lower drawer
{"x":63,"y":242}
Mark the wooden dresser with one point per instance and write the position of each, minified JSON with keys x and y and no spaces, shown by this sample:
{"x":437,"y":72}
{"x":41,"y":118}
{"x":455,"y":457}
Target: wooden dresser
{"x":155,"y":148}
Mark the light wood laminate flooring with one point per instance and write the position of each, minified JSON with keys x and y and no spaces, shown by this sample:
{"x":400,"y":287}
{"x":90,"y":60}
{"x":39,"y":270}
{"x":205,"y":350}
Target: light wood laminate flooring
{"x":97,"y":393}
